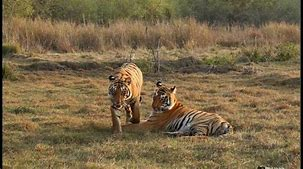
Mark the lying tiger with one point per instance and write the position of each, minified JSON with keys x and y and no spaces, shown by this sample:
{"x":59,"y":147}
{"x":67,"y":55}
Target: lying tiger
{"x":171,"y":117}
{"x":124,"y":91}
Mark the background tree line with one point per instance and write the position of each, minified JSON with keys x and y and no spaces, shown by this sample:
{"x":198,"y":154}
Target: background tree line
{"x":104,"y":11}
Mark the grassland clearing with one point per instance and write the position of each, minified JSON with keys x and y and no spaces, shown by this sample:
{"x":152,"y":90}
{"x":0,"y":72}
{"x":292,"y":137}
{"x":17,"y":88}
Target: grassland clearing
{"x":56,"y":114}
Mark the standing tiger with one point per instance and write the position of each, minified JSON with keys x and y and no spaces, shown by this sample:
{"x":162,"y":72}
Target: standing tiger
{"x":171,"y":117}
{"x":124,"y":91}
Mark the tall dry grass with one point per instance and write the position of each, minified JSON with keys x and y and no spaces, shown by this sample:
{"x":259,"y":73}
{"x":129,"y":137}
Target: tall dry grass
{"x":44,"y":35}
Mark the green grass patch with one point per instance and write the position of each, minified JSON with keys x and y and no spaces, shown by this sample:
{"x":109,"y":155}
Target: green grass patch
{"x":8,"y":72}
{"x":256,"y":55}
{"x":281,"y":52}
{"x":22,"y":110}
{"x":287,"y":51}
{"x":145,"y":65}
{"x":10,"y":49}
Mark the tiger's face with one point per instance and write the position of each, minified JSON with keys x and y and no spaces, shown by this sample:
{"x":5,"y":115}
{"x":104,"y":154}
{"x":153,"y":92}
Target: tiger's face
{"x":164,"y":98}
{"x":119,"y":91}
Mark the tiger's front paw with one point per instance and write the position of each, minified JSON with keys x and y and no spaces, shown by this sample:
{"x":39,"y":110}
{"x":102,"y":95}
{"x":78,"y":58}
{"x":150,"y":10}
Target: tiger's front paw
{"x":116,"y":131}
{"x":117,"y":135}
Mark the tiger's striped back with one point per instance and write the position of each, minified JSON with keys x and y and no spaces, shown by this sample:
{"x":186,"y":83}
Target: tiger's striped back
{"x":130,"y":70}
{"x":194,"y":122}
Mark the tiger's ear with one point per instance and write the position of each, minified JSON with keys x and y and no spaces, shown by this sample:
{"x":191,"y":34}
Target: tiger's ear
{"x":111,"y":77}
{"x":173,"y":89}
{"x":159,"y":83}
{"x":128,"y":80}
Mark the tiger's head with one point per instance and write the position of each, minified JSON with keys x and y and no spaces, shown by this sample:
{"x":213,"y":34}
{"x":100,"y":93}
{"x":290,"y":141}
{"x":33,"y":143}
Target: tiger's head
{"x":119,"y":91}
{"x":164,"y":98}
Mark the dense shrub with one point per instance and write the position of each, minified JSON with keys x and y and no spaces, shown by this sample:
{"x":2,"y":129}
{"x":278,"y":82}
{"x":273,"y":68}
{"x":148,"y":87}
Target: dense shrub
{"x":281,"y":52}
{"x":9,"y":49}
{"x":286,"y":52}
{"x":215,"y":12}
{"x":256,"y":55}
{"x":8,"y":72}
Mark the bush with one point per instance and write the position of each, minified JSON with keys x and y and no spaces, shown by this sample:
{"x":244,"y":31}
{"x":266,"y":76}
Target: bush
{"x":257,"y":54}
{"x":281,"y":52}
{"x":9,"y":49}
{"x":8,"y":72}
{"x":145,"y":65}
{"x":18,"y":8}
{"x":286,"y":52}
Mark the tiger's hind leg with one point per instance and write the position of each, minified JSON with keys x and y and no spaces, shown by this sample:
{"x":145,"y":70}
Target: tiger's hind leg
{"x":187,"y":130}
{"x":185,"y":134}
{"x":135,"y":107}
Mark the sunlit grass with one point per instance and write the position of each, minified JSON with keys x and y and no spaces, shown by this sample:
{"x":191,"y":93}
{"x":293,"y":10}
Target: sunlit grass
{"x":60,"y":118}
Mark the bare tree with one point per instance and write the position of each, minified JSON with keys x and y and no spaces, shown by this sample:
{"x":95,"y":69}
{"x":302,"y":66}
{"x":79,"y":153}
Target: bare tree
{"x":154,"y":45}
{"x":134,"y":46}
{"x":157,"y":57}
{"x":155,"y":53}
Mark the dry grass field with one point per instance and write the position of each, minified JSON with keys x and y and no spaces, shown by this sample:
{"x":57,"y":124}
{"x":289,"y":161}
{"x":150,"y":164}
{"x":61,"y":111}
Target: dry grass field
{"x":56,"y":112}
{"x":43,"y":35}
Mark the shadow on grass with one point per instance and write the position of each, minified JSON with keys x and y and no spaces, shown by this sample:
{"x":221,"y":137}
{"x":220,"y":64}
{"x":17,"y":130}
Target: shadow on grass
{"x":83,"y":135}
{"x":69,"y":136}
{"x":193,"y":65}
{"x":183,"y":65}
{"x":62,"y":65}
{"x":276,"y":80}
